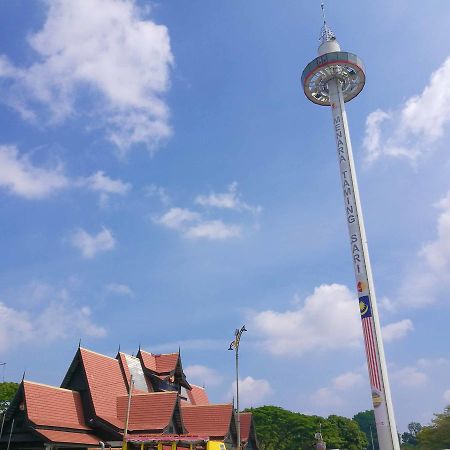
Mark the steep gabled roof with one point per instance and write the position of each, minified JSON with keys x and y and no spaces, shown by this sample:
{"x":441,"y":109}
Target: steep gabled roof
{"x":159,"y":364}
{"x":53,"y":407}
{"x":105,"y":384}
{"x":245,"y":419}
{"x":151,"y":412}
{"x":210,"y":420}
{"x":66,"y":437}
{"x":197,"y":395}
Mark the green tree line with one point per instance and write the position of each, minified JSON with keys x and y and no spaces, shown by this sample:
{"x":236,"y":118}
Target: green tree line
{"x":279,"y":429}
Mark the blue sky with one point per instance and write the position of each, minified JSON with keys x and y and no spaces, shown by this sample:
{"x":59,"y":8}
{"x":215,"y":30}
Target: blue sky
{"x":163,"y":180}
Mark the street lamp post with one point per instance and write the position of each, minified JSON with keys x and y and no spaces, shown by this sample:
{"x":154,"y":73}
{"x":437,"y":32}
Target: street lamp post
{"x":235,"y":346}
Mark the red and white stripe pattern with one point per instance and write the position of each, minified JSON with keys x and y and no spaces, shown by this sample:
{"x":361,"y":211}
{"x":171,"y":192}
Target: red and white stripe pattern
{"x":371,"y":352}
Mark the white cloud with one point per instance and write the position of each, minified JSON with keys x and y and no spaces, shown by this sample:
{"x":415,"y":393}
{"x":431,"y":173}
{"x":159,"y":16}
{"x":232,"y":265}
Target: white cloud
{"x":89,"y":245}
{"x":108,"y":49}
{"x":446,"y":396}
{"x":433,"y":363}
{"x":213,"y":229}
{"x":429,"y":276}
{"x":193,"y":226}
{"x":397,"y":330}
{"x":326,"y":397}
{"x":347,"y":380}
{"x":202,"y":375}
{"x":119,"y":289}
{"x":22,"y":178}
{"x":158,"y":191}
{"x":252,"y":392}
{"x":328,"y":320}
{"x":57,"y":317}
{"x":99,"y":182}
{"x":416,"y":125}
{"x":408,"y":377}
{"x":227,"y":200}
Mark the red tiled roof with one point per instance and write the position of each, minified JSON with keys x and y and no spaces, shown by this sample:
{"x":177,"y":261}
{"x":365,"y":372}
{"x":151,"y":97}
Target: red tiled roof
{"x":52,"y":406}
{"x":150,"y":411}
{"x":210,"y":420}
{"x":124,"y":365}
{"x":105,"y":382}
{"x":66,"y":437}
{"x":245,"y":419}
{"x":197,"y":395}
{"x":164,"y":363}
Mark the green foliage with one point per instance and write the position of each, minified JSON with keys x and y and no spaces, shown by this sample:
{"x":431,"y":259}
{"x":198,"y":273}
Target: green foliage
{"x":7,"y":393}
{"x":279,"y":429}
{"x":409,"y":438}
{"x":366,"y":421}
{"x":437,"y":435}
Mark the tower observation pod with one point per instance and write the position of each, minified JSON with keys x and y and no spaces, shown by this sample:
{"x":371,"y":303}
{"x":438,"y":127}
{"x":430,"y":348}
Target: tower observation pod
{"x":332,"y":79}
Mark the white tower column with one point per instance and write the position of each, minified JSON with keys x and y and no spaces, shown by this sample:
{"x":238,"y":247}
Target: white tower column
{"x":331,"y":79}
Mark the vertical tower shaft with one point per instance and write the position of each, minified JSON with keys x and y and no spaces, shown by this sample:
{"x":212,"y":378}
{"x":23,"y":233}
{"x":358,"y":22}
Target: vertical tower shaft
{"x":381,"y":395}
{"x":331,"y":79}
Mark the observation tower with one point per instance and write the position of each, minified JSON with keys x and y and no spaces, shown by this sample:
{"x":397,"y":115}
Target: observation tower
{"x":332,"y":79}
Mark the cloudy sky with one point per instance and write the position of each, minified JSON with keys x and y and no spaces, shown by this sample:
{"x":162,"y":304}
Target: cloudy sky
{"x":163,"y":180}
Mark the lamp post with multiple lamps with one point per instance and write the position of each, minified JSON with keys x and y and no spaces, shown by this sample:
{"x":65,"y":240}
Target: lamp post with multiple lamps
{"x":235,"y":346}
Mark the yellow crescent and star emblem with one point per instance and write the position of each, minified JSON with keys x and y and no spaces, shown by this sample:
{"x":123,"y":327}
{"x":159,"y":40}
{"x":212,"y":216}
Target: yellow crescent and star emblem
{"x":363,"y":308}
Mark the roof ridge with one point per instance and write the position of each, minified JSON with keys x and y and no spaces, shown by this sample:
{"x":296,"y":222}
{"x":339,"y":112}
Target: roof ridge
{"x":200,"y":387}
{"x":158,"y":354}
{"x":49,"y":386}
{"x":211,"y":404}
{"x":97,"y":353}
{"x":149,"y":393}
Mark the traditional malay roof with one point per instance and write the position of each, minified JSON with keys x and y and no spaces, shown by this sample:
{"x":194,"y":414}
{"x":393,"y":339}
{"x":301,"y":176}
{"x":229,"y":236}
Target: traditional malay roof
{"x":197,"y":395}
{"x":154,"y":411}
{"x":53,"y":407}
{"x":245,"y":419}
{"x":164,"y":364}
{"x":66,"y":437}
{"x":212,"y":420}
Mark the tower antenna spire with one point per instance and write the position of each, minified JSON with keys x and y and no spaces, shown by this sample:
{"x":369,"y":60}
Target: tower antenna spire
{"x":322,"y":6}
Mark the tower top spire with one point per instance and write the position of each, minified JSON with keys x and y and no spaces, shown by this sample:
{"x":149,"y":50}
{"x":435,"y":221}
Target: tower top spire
{"x":326,"y":35}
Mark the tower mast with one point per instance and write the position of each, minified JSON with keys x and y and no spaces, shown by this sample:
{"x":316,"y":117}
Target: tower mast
{"x":333,"y":78}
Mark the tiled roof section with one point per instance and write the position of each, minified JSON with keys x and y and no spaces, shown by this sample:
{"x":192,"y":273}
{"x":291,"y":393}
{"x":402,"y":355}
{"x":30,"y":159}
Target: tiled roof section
{"x":197,"y":395}
{"x":210,"y":420}
{"x":159,"y":364}
{"x":52,"y":406}
{"x":245,"y":419}
{"x":152,"y":411}
{"x":66,"y":437}
{"x":124,"y":366}
{"x":106,"y":383}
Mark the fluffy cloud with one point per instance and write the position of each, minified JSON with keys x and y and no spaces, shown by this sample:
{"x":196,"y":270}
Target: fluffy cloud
{"x":231,"y":199}
{"x":119,"y":289}
{"x":57,"y":317}
{"x":347,"y":380}
{"x":202,"y":375}
{"x":19,"y":176}
{"x":446,"y":396}
{"x":193,"y":226}
{"x":252,"y":392}
{"x":99,"y":182}
{"x":107,"y":49}
{"x":429,"y":276}
{"x":327,"y":320}
{"x":408,"y":377}
{"x":90,"y":245}
{"x":419,"y":122}
{"x":397,"y":330}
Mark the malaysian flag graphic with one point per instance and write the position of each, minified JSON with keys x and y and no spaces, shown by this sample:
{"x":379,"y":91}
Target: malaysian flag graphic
{"x":369,"y":341}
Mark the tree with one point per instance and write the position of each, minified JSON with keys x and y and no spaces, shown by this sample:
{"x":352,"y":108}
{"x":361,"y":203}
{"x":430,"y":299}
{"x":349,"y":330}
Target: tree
{"x":409,"y":438}
{"x":366,"y":421}
{"x":279,"y":429}
{"x":437,"y":435}
{"x":7,"y":392}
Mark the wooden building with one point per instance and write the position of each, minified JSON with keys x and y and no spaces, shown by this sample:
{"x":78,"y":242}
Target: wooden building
{"x":89,"y":409}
